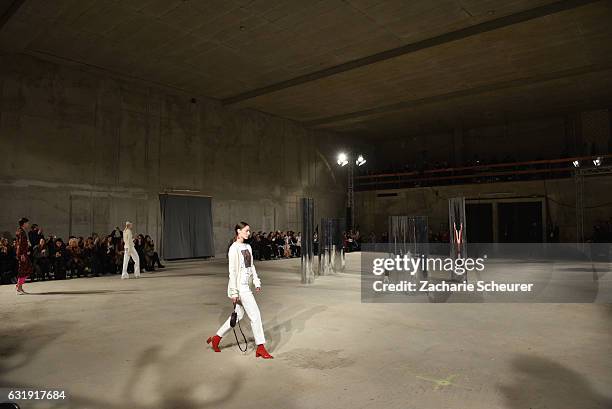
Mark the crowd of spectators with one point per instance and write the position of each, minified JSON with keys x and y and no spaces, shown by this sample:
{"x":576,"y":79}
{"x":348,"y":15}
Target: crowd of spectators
{"x":351,"y":241}
{"x":53,"y":258}
{"x":276,"y":245}
{"x":288,"y":244}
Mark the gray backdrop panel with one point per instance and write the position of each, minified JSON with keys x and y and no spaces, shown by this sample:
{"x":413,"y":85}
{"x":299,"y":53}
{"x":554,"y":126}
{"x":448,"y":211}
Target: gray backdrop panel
{"x":187,"y":226}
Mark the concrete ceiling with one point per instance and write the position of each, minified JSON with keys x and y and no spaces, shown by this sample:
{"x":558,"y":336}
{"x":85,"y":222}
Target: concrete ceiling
{"x":370,"y":67}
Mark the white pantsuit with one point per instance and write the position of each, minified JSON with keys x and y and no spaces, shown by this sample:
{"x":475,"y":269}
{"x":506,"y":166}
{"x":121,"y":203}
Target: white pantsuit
{"x":242,"y":274}
{"x":247,"y":299}
{"x":129,"y":251}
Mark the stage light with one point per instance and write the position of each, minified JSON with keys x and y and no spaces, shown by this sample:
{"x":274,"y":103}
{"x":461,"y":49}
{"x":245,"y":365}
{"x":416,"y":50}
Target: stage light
{"x":342,"y":159}
{"x":576,"y":164}
{"x":597,"y":162}
{"x":360,"y":160}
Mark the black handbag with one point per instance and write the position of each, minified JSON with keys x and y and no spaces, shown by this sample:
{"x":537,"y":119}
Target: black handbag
{"x":234,"y":318}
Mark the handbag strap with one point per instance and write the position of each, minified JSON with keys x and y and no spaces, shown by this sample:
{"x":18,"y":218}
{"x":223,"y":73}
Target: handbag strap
{"x":243,"y":336}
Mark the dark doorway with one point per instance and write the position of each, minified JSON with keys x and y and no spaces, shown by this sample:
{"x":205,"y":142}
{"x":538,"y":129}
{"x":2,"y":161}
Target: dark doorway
{"x":479,"y":222}
{"x":520,"y":222}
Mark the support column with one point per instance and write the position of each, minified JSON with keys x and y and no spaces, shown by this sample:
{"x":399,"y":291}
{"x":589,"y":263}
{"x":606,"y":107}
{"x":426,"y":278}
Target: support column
{"x":350,"y":197}
{"x":307,"y":240}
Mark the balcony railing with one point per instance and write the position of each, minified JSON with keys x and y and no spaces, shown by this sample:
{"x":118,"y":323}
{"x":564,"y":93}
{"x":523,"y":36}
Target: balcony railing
{"x":486,"y":173}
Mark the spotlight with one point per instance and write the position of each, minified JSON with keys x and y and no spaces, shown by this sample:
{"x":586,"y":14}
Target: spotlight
{"x":342,"y":159}
{"x":360,"y":160}
{"x":576,"y":164}
{"x":597,"y":161}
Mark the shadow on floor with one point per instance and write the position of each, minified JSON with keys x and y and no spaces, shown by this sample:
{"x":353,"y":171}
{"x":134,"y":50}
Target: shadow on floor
{"x":84,"y":292}
{"x":177,"y":382}
{"x":277,"y":333}
{"x":20,"y":345}
{"x":159,"y":275}
{"x":542,"y":383}
{"x":585,"y":269}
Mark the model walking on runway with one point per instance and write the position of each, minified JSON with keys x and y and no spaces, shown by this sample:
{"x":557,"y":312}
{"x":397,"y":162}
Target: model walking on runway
{"x":129,"y":251}
{"x":22,"y":249}
{"x":242,"y":274}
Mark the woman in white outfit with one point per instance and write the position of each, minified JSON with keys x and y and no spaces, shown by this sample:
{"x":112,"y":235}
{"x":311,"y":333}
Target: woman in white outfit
{"x":129,"y":250}
{"x":242,"y":274}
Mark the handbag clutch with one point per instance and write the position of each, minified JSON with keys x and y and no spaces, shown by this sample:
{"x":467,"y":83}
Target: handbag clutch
{"x":234,"y":317}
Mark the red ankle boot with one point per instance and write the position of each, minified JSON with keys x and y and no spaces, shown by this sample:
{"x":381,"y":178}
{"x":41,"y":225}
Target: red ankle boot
{"x":215,"y":342}
{"x":261,"y":352}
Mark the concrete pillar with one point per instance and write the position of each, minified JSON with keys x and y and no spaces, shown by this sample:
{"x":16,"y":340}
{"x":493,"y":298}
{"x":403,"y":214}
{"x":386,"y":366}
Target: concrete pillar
{"x":307,"y":232}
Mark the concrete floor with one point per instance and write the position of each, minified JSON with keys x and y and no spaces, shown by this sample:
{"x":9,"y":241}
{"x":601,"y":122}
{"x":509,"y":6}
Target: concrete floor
{"x":140,"y":344}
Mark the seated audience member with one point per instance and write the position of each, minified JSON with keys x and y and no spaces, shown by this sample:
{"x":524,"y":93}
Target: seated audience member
{"x":279,"y":242}
{"x":87,"y":255}
{"x":34,"y":235}
{"x":139,"y":243}
{"x":107,"y":256}
{"x":116,"y":236}
{"x":119,"y":250}
{"x":151,"y":256}
{"x":41,"y":263}
{"x":50,"y":240}
{"x":286,"y":245}
{"x":264,"y":251}
{"x":8,"y":263}
{"x":60,"y":260}
{"x":298,"y":244}
{"x":75,"y":264}
{"x":293,"y":244}
{"x":97,"y":257}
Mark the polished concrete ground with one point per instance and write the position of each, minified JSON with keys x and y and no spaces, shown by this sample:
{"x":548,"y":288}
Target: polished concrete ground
{"x":140,"y":344}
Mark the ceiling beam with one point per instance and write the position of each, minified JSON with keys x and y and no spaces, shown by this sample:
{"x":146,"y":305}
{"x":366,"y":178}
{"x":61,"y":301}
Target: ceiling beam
{"x":10,"y":12}
{"x":400,"y":106}
{"x":476,"y":29}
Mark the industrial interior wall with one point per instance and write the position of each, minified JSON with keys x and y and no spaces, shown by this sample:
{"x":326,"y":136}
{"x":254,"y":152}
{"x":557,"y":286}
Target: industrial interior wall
{"x":558,"y":197}
{"x":82,"y":151}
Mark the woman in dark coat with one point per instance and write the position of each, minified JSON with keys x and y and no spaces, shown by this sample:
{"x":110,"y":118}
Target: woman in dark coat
{"x":151,"y":256}
{"x":60,"y":260}
{"x":22,"y":248}
{"x":41,"y":260}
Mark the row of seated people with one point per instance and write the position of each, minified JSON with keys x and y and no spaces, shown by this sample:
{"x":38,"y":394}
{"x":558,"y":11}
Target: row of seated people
{"x":351,"y":241}
{"x":276,"y":245}
{"x":52,"y":258}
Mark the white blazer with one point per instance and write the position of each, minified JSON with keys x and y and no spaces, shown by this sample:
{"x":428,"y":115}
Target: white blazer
{"x":233,"y":289}
{"x":128,"y":239}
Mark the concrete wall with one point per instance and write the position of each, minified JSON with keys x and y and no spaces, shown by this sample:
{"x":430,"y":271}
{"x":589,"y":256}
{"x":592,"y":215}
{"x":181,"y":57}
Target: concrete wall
{"x":82,"y":151}
{"x":558,"y":195}
{"x":566,"y":135}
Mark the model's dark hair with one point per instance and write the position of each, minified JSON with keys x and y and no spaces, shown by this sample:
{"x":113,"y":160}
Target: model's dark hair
{"x":23,"y":221}
{"x":239,"y":226}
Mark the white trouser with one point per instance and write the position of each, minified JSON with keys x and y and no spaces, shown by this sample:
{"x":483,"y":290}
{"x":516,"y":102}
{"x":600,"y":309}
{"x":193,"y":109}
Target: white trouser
{"x":131,"y":252}
{"x":250,"y":306}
